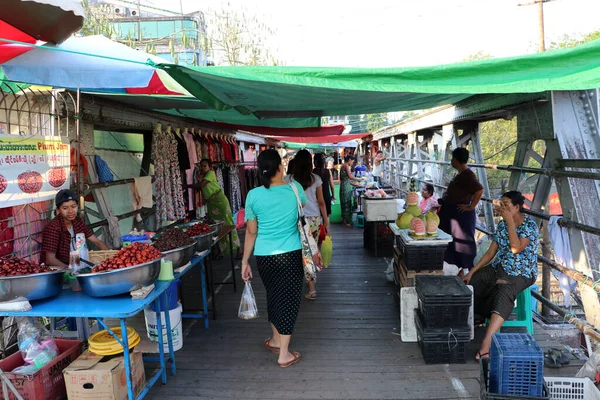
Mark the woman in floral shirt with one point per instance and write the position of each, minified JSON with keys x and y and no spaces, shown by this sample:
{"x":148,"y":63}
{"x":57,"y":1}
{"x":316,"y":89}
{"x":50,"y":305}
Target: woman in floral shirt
{"x":513,"y":269}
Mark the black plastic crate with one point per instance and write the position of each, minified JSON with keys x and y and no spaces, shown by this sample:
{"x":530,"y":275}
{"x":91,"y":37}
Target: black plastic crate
{"x":379,"y":238}
{"x":421,"y":258}
{"x":484,"y":369}
{"x":444,"y":301}
{"x":442,"y":346}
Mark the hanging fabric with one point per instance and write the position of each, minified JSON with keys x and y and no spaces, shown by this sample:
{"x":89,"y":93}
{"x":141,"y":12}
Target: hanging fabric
{"x":6,"y":231}
{"x":29,"y":221}
{"x":169,"y":191}
{"x":189,"y":173}
{"x":235,"y":191}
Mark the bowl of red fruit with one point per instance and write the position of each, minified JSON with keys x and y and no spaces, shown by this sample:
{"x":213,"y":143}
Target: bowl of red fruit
{"x":202,"y":233}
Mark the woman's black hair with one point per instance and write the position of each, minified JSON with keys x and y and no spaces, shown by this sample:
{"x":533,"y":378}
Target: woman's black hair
{"x":206,"y":160}
{"x":516,"y":198}
{"x":320,"y":161}
{"x":429,"y":188}
{"x":268,"y":164}
{"x":348,"y":158}
{"x":290,"y":168}
{"x":303,"y":169}
{"x":461,"y":155}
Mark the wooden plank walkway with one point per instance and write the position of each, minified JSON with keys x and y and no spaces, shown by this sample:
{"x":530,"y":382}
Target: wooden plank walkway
{"x":348,"y":340}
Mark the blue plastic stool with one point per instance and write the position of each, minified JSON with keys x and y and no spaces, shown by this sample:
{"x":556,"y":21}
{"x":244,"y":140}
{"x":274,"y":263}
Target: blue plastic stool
{"x":523,"y":311}
{"x":360,"y":221}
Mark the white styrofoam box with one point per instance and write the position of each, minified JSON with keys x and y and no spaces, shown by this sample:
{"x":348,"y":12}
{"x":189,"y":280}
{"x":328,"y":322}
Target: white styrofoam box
{"x":380,"y":209}
{"x":409,"y":301}
{"x":400,"y":206}
{"x":571,"y":389}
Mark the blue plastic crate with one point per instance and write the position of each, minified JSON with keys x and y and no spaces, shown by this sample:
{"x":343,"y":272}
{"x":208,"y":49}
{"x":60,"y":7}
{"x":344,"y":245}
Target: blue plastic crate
{"x":516,"y":365}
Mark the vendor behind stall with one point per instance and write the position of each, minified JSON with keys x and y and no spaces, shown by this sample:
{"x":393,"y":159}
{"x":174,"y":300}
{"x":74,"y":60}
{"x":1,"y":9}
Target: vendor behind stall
{"x":59,"y":235}
{"x":457,"y":215}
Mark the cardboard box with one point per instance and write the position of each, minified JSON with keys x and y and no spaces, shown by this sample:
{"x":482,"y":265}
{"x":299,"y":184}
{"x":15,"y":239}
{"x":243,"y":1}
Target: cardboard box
{"x":89,"y":377}
{"x":47,"y":383}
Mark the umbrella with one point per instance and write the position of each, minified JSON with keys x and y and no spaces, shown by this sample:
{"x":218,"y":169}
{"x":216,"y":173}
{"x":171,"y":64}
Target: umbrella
{"x":91,"y":62}
{"x":11,"y":50}
{"x":46,"y":20}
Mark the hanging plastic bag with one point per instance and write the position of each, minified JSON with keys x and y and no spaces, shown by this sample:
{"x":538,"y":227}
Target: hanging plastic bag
{"x":35,"y":344}
{"x":326,"y":251}
{"x":248,"y":309}
{"x":240,"y":221}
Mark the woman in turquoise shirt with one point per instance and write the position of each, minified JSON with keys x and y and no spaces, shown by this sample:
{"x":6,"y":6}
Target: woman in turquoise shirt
{"x":272,"y":232}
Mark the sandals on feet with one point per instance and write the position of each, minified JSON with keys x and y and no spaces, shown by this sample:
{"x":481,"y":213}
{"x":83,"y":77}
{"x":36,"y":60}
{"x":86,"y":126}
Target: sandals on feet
{"x":273,"y":349}
{"x":311,"y":295}
{"x":296,"y":358}
{"x":481,"y":355}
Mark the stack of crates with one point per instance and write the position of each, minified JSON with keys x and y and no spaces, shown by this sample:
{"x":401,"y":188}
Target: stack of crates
{"x":442,"y":319}
{"x":516,"y":365}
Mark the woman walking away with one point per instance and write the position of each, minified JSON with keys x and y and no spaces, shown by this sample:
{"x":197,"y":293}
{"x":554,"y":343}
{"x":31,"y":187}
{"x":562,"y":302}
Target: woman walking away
{"x":272,"y":232}
{"x":513,"y":269}
{"x":325,"y":175}
{"x":315,"y":210}
{"x":346,"y":183}
{"x":217,"y":205}
{"x":457,"y":215}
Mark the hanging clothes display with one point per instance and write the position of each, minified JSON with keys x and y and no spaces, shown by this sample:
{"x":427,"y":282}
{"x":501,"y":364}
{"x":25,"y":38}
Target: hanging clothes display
{"x":219,"y":174}
{"x":189,"y":173}
{"x":234,"y":189}
{"x":169,"y":191}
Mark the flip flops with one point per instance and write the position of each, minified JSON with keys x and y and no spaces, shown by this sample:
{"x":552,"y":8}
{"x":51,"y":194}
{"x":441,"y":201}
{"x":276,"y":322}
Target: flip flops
{"x":296,"y":358}
{"x":311,"y":295}
{"x":554,"y":358}
{"x":481,"y":355}
{"x":272,"y":349}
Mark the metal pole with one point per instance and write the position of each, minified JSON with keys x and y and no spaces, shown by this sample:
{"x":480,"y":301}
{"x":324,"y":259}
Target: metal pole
{"x":541,"y":36}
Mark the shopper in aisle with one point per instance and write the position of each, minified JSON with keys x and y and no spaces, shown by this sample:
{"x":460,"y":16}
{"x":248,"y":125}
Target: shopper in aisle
{"x":315,"y":210}
{"x":457,"y":215}
{"x":428,"y":201}
{"x":328,"y":187}
{"x":218,"y":205}
{"x":347,"y":180}
{"x":59,"y":237}
{"x":272,"y":232}
{"x":378,"y":166}
{"x":514,"y":267}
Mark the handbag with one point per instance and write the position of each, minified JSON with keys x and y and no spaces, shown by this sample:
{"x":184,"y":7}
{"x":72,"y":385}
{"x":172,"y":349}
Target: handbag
{"x":311,"y":258}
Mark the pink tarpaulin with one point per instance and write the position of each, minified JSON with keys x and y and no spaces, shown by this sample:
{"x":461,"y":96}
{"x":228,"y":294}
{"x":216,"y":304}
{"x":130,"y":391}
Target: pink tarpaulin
{"x":321,"y":139}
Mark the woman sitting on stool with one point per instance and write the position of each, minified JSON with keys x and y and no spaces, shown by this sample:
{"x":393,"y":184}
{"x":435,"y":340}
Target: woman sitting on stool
{"x":514,"y":269}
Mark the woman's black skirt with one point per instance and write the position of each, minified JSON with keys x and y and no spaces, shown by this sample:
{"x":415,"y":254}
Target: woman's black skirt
{"x":283,"y":277}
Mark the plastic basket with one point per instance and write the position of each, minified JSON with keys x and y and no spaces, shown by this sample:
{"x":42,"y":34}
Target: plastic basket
{"x":443,"y":300}
{"x":442,"y":346}
{"x":419,"y":258}
{"x":517,"y":365}
{"x":484,"y":366}
{"x":572,"y":389}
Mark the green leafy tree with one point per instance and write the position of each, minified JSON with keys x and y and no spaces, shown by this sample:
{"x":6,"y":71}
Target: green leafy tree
{"x":376,"y":121}
{"x":96,"y":20}
{"x":480,"y":55}
{"x":235,"y":38}
{"x":566,"y":40}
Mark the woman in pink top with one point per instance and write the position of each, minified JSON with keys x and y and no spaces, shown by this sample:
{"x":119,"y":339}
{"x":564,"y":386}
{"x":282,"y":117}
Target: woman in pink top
{"x":429,"y":202}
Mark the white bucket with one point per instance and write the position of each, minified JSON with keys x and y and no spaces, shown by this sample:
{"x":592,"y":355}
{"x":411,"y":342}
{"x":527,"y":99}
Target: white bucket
{"x":176,"y":328}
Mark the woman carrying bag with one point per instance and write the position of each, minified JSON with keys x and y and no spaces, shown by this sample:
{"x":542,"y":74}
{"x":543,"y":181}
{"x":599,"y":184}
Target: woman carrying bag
{"x":272,"y":232}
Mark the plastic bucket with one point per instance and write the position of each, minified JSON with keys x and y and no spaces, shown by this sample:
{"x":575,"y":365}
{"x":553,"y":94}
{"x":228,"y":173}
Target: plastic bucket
{"x":176,"y":328}
{"x":172,"y":297}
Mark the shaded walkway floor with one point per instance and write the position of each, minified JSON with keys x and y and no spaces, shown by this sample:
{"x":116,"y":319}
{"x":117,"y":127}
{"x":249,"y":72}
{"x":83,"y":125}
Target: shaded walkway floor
{"x":348,"y":339}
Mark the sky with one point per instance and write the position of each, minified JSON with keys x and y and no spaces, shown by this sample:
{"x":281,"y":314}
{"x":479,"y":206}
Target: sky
{"x":399,"y":33}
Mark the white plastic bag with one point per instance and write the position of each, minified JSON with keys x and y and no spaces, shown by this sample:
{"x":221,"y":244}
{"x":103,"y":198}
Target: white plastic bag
{"x":248,"y":309}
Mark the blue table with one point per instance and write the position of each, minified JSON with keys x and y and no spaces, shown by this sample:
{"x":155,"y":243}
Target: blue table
{"x":80,"y":305}
{"x":198,"y":260}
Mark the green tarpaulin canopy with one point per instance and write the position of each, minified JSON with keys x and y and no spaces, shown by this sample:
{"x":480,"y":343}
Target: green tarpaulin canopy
{"x":297,"y":92}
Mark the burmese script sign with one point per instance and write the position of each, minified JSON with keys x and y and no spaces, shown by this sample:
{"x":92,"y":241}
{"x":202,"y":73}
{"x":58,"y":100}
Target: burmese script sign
{"x":32,"y":168}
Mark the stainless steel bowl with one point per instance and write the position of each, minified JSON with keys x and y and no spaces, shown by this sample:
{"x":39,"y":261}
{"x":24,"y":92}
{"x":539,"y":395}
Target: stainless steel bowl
{"x":203,"y":242}
{"x":32,"y":287}
{"x":180,"y":256}
{"x":119,"y":281}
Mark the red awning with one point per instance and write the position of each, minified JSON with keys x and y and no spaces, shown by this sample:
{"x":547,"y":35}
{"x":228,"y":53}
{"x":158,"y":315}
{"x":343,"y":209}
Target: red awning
{"x":332,"y":131}
{"x":9,"y":51}
{"x":321,"y":139}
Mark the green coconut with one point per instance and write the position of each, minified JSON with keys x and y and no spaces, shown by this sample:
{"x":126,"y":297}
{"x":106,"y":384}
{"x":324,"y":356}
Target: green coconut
{"x":431,"y":215}
{"x":414,"y":210}
{"x":403,"y":220}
